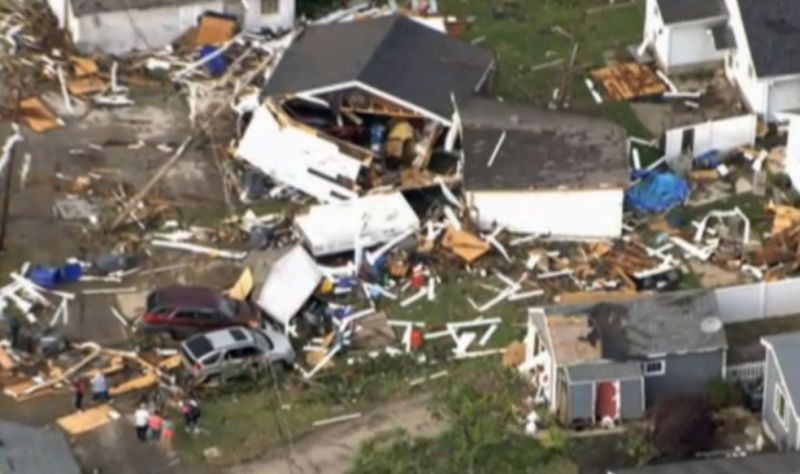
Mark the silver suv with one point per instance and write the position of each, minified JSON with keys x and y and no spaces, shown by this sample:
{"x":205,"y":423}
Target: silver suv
{"x":235,"y":351}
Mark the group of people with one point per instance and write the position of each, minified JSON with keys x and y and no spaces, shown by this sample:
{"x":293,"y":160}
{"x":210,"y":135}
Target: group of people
{"x":99,"y":387}
{"x":154,"y":425}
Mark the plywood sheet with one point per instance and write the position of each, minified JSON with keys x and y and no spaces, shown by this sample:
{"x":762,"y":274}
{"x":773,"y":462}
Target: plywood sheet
{"x":628,"y":81}
{"x":467,"y":246}
{"x":83,"y":67}
{"x":138,"y":383}
{"x":37,"y":116}
{"x":214,"y":30}
{"x":85,"y":421}
{"x":86,"y":85}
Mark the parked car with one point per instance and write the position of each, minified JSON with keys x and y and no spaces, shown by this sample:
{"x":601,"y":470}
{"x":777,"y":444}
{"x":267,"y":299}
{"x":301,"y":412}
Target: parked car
{"x":182,"y":311}
{"x":235,"y":351}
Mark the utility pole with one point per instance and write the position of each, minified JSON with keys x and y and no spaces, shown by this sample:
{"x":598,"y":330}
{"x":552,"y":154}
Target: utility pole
{"x":9,"y":176}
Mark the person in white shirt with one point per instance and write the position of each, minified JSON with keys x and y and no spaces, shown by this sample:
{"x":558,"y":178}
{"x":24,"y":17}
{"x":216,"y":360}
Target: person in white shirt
{"x":140,"y":418}
{"x":99,"y":387}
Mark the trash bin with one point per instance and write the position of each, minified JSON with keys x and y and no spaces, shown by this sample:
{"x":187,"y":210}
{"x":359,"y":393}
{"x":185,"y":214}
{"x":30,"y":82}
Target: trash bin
{"x":71,"y":272}
{"x":44,"y":277}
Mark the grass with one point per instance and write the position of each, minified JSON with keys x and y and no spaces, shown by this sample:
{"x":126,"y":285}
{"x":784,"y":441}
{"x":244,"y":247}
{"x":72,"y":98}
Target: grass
{"x":744,"y":339}
{"x":532,"y":37}
{"x":751,"y":205}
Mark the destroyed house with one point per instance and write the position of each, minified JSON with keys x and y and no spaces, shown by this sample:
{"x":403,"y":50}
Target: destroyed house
{"x":122,"y":26}
{"x":608,"y":362}
{"x":542,"y":172}
{"x":364,"y":105}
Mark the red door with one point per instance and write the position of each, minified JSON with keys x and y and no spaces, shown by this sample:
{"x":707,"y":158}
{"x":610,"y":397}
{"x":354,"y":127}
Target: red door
{"x":606,"y":397}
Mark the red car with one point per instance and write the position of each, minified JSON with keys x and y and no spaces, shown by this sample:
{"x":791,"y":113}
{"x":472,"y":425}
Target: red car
{"x":181,"y":311}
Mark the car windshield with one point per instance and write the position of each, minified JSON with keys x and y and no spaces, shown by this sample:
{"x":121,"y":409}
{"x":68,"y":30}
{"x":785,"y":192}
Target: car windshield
{"x":153,"y":301}
{"x":229,"y":307}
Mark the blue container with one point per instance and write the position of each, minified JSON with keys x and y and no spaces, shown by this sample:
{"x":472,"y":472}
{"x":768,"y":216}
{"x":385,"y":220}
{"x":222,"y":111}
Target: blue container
{"x":45,"y":277}
{"x":377,"y":136}
{"x":217,"y":65}
{"x":71,"y":272}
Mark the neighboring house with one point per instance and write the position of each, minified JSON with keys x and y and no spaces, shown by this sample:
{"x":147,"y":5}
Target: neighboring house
{"x":772,"y":463}
{"x":782,"y":390}
{"x":680,"y":32}
{"x":758,"y":40}
{"x":29,"y":450}
{"x":610,"y":361}
{"x":121,"y":26}
{"x":765,"y":64}
{"x":537,"y":171}
{"x":388,"y":66}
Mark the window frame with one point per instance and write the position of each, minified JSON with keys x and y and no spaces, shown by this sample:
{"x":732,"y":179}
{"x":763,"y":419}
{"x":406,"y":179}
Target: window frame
{"x":273,"y":10}
{"x":654,"y":373}
{"x":781,"y":416}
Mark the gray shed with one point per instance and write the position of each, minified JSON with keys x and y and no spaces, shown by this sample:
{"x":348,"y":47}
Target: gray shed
{"x":782,"y":390}
{"x":598,"y":389}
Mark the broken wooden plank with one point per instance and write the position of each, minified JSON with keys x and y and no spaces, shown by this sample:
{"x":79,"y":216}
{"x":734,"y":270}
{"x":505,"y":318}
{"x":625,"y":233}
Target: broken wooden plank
{"x":86,"y":420}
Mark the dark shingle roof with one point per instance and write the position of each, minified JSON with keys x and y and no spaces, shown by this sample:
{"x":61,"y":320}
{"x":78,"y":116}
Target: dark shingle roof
{"x":88,"y":7}
{"x":541,"y":150}
{"x":394,"y":54}
{"x":667,"y":323}
{"x":773,"y":33}
{"x":787,"y":353}
{"x":677,"y":11}
{"x":28,"y":450}
{"x":774,"y":463}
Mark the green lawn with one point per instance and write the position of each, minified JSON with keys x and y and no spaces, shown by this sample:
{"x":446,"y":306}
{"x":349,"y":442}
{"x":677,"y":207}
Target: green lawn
{"x":533,"y":36}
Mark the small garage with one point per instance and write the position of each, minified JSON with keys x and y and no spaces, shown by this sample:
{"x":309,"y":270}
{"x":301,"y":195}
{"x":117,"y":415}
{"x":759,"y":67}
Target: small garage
{"x":599,"y":392}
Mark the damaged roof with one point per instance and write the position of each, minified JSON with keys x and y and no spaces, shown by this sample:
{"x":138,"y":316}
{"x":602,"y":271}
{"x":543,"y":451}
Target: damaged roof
{"x":29,"y":450}
{"x":394,"y":54}
{"x":773,"y":33}
{"x":539,"y":149}
{"x":677,"y":11}
{"x":669,"y":323}
{"x":786,"y":348}
{"x":89,"y":7}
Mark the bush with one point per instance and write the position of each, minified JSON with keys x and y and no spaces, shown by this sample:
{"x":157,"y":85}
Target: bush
{"x":722,"y":394}
{"x":682,"y":426}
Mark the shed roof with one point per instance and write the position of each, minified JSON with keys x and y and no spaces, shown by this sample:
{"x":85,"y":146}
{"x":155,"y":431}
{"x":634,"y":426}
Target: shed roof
{"x":539,"y":149}
{"x":29,"y":450}
{"x":670,"y":323}
{"x":89,"y":7}
{"x":786,"y":348}
{"x":773,"y":33}
{"x":604,"y":370}
{"x":678,"y":11}
{"x":393,"y":54}
{"x":773,"y":463}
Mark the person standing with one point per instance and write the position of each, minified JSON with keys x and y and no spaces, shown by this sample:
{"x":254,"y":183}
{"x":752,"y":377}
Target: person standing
{"x":79,"y":390}
{"x":99,"y":388}
{"x":191,"y":413}
{"x":167,"y":432}
{"x":141,"y":418}
{"x":155,"y":424}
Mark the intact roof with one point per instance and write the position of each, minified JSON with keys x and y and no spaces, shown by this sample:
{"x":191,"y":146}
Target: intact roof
{"x":540,"y":150}
{"x":677,"y":11}
{"x":773,"y":33}
{"x":786,"y":348}
{"x":604,"y":371}
{"x":88,"y":7}
{"x":394,"y":54}
{"x":668,"y":323}
{"x":773,"y":463}
{"x":29,"y":450}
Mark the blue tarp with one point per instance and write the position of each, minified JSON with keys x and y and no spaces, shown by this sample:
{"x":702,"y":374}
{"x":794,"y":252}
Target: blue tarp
{"x":217,"y":65}
{"x":657,"y":193}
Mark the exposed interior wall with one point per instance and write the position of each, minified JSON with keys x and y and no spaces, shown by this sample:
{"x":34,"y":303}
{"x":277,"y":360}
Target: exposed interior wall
{"x":124,"y":31}
{"x":691,"y":44}
{"x":582,"y":214}
{"x":784,"y":94}
{"x":656,"y":33}
{"x":723,"y":135}
{"x":283,"y":19}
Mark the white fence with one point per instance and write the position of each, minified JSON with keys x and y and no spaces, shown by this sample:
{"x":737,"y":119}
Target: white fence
{"x":747,"y":372}
{"x":759,"y":300}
